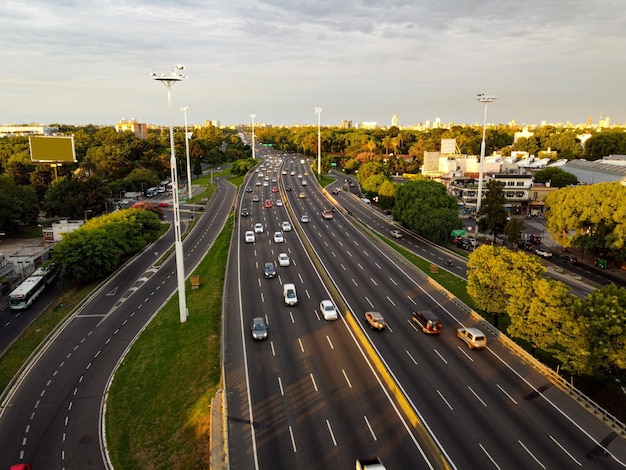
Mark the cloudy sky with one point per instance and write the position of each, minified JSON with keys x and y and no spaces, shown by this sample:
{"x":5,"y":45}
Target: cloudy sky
{"x":80,"y":62}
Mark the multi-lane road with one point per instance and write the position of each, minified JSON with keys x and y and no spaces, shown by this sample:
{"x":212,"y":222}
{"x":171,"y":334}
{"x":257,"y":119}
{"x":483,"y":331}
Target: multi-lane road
{"x":484,"y":409}
{"x":52,"y":417}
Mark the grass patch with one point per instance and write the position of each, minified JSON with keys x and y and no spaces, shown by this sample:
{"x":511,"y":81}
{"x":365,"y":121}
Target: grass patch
{"x":325,"y":180}
{"x":159,"y":405}
{"x":20,"y":350}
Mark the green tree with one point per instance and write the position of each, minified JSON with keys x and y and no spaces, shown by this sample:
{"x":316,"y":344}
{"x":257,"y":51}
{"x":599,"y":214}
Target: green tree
{"x":493,"y":215}
{"x":369,"y":169}
{"x":513,"y":231}
{"x":556,"y":176}
{"x":18,"y":205}
{"x":427,"y":209}
{"x":604,"y":144}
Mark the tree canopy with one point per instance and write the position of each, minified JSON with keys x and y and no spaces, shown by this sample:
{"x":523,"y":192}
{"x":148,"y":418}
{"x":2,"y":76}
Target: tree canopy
{"x":425,"y":207}
{"x":555,"y":176}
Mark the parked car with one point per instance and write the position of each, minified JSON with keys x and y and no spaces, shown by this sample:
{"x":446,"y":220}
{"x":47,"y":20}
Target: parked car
{"x":396,"y":233}
{"x":283,"y":259}
{"x":269,"y":271}
{"x":569,"y":259}
{"x":259,"y":329}
{"x":329,"y":312}
{"x":543,"y":253}
{"x":375,"y":320}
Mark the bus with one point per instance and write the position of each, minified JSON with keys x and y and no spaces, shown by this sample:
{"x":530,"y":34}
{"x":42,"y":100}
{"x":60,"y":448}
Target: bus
{"x":33,"y":286}
{"x":151,"y":192}
{"x":27,"y":292}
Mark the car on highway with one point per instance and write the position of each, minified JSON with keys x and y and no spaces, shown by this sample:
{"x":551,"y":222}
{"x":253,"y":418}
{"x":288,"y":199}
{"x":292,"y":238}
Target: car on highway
{"x":258,"y":228}
{"x":396,"y":233}
{"x":292,"y":173}
{"x":427,"y":321}
{"x":304,"y":218}
{"x":268,"y":203}
{"x":258,"y":183}
{"x":283,"y":259}
{"x":269,"y":271}
{"x":569,"y":259}
{"x":543,"y":253}
{"x":245,"y":212}
{"x":473,"y":337}
{"x":335,"y":191}
{"x":375,"y":320}
{"x":266,"y":184}
{"x":248,"y":189}
{"x":163,"y":204}
{"x":329,"y":312}
{"x":327,"y":214}
{"x":279,"y":203}
{"x":259,"y":329}
{"x":249,"y":236}
{"x":274,"y":189}
{"x":289,"y":294}
{"x":278,"y":237}
{"x":301,"y":195}
{"x":299,"y":176}
{"x":306,"y":173}
{"x":286,"y":226}
{"x":304,"y":183}
{"x":288,"y":188}
{"x":255,"y":198}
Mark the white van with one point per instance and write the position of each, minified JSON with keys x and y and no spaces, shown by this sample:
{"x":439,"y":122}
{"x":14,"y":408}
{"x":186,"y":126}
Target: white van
{"x":473,"y":337}
{"x":289,"y":293}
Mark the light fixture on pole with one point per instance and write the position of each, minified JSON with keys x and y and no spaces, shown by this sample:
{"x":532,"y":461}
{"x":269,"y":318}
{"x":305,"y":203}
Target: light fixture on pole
{"x":485,"y":100}
{"x":184,"y":109}
{"x":252,"y":116}
{"x":168,"y":80}
{"x":318,"y":111}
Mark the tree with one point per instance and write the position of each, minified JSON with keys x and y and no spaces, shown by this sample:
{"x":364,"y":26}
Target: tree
{"x":500,"y":280}
{"x":369,"y":169}
{"x":492,"y":215}
{"x":426,"y":208}
{"x":18,"y":205}
{"x":556,"y":177}
{"x":603,"y":144}
{"x":513,"y":231}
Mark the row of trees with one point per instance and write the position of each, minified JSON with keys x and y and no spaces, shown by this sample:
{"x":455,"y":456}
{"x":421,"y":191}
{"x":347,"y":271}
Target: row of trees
{"x":109,"y":163}
{"x":587,"y":336}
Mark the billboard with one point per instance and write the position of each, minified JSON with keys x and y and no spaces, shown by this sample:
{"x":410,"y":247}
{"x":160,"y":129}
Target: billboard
{"x":46,"y":149}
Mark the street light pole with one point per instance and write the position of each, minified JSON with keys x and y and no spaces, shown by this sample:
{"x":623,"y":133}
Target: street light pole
{"x":485,"y":100}
{"x":318,"y":111}
{"x":169,"y":80}
{"x":252,"y":116}
{"x":184,"y":109}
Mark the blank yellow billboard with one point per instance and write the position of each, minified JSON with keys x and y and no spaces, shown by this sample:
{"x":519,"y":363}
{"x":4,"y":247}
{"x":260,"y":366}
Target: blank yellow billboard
{"x":45,"y":149}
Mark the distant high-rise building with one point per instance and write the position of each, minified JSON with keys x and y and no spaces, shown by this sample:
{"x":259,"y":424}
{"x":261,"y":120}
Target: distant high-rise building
{"x":394,"y":120}
{"x":140,"y":129}
{"x":346,"y":124}
{"x":589,"y":120}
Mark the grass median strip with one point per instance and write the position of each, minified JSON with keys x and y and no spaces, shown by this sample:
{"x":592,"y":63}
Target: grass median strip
{"x":158,"y":409}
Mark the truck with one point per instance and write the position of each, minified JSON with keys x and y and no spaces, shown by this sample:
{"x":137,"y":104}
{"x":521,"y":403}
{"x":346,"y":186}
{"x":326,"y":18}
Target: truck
{"x":369,"y":464}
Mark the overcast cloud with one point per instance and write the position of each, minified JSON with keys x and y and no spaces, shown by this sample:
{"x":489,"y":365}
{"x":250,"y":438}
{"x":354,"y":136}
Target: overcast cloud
{"x":80,"y":62}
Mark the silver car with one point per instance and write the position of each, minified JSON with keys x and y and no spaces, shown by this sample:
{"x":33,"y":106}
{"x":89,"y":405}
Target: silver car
{"x":259,"y":329}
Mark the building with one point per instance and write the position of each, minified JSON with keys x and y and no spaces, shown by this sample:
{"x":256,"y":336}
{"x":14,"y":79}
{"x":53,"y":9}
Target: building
{"x":517,"y":190}
{"x":8,"y":131}
{"x":60,"y":228}
{"x":139,"y":129}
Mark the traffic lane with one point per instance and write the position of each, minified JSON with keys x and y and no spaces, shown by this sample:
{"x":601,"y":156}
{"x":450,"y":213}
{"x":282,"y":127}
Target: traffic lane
{"x":294,"y":318}
{"x":354,"y":281}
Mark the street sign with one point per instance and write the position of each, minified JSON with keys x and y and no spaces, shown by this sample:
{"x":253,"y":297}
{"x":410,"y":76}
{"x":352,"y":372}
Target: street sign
{"x":458,"y":233}
{"x":333,"y":164}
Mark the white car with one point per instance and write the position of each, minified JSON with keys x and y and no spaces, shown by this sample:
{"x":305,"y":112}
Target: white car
{"x":278,"y":237}
{"x":544,"y":253}
{"x":329,"y":312}
{"x":396,"y":233}
{"x":258,"y":228}
{"x":286,"y":226}
{"x":304,"y":218}
{"x":249,"y":236}
{"x":279,"y":203}
{"x":283,"y":259}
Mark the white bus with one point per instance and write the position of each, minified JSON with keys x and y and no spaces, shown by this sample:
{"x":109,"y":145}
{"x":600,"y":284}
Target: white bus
{"x":27,"y":292}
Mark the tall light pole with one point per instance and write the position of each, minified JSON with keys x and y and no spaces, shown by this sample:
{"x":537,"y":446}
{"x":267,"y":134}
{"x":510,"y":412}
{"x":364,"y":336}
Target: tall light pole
{"x":485,"y":100}
{"x":252,"y":116}
{"x":168,"y":80}
{"x":184,"y":109}
{"x":318,"y":111}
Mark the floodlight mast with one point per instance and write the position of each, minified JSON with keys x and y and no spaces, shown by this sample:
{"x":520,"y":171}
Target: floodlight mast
{"x":318,"y":111}
{"x":252,"y":116}
{"x":169,"y":81}
{"x":485,"y":100}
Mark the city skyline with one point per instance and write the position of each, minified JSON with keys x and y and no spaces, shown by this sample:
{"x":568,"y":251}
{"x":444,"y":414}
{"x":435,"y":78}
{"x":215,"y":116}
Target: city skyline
{"x":76,"y":63}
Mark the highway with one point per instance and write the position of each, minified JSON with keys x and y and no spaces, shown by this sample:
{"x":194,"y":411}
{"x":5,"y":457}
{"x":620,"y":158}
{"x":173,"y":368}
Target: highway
{"x":52,"y":417}
{"x":487,"y":409}
{"x":307,"y":397}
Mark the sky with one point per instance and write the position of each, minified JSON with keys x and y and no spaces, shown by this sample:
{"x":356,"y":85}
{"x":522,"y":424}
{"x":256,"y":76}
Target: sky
{"x":89,"y":62}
